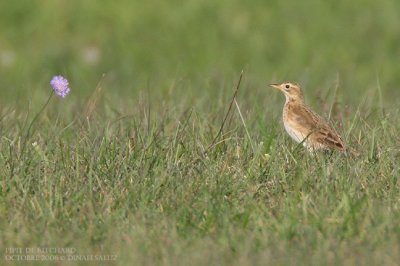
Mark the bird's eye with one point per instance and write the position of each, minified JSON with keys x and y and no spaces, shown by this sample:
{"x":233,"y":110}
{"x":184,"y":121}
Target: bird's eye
{"x":287,"y":86}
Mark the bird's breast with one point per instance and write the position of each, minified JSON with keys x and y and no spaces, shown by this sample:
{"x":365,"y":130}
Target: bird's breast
{"x":293,"y":132}
{"x":292,"y":127}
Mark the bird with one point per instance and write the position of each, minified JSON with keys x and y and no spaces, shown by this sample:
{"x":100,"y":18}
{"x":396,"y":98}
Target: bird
{"x":305,"y":126}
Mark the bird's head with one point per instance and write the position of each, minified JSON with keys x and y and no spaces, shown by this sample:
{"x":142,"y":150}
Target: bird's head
{"x":291,"y":90}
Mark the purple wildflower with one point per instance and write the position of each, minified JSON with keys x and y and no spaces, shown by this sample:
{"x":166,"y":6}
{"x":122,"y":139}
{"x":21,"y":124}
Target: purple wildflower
{"x":60,"y":86}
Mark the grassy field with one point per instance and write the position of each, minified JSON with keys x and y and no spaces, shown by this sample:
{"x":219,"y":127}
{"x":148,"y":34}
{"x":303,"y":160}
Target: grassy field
{"x":122,"y":169}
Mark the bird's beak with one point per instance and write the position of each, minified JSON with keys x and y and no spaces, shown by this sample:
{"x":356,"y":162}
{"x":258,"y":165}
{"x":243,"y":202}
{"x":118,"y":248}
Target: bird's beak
{"x":276,"y":86}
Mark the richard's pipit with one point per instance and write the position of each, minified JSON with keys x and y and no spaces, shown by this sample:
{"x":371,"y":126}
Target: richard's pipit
{"x":304,"y":125}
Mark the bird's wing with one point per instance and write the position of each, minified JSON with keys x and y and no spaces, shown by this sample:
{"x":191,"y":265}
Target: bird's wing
{"x":319,"y":130}
{"x":327,"y":136}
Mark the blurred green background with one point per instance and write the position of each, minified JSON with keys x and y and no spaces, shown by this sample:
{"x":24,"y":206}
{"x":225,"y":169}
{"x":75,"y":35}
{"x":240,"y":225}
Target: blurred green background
{"x":135,"y":43}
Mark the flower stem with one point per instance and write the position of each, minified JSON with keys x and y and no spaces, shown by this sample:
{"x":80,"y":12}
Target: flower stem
{"x":33,"y":121}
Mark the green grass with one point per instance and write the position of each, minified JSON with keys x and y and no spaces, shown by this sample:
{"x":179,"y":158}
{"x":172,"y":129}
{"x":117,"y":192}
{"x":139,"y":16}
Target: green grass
{"x":119,"y":167}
